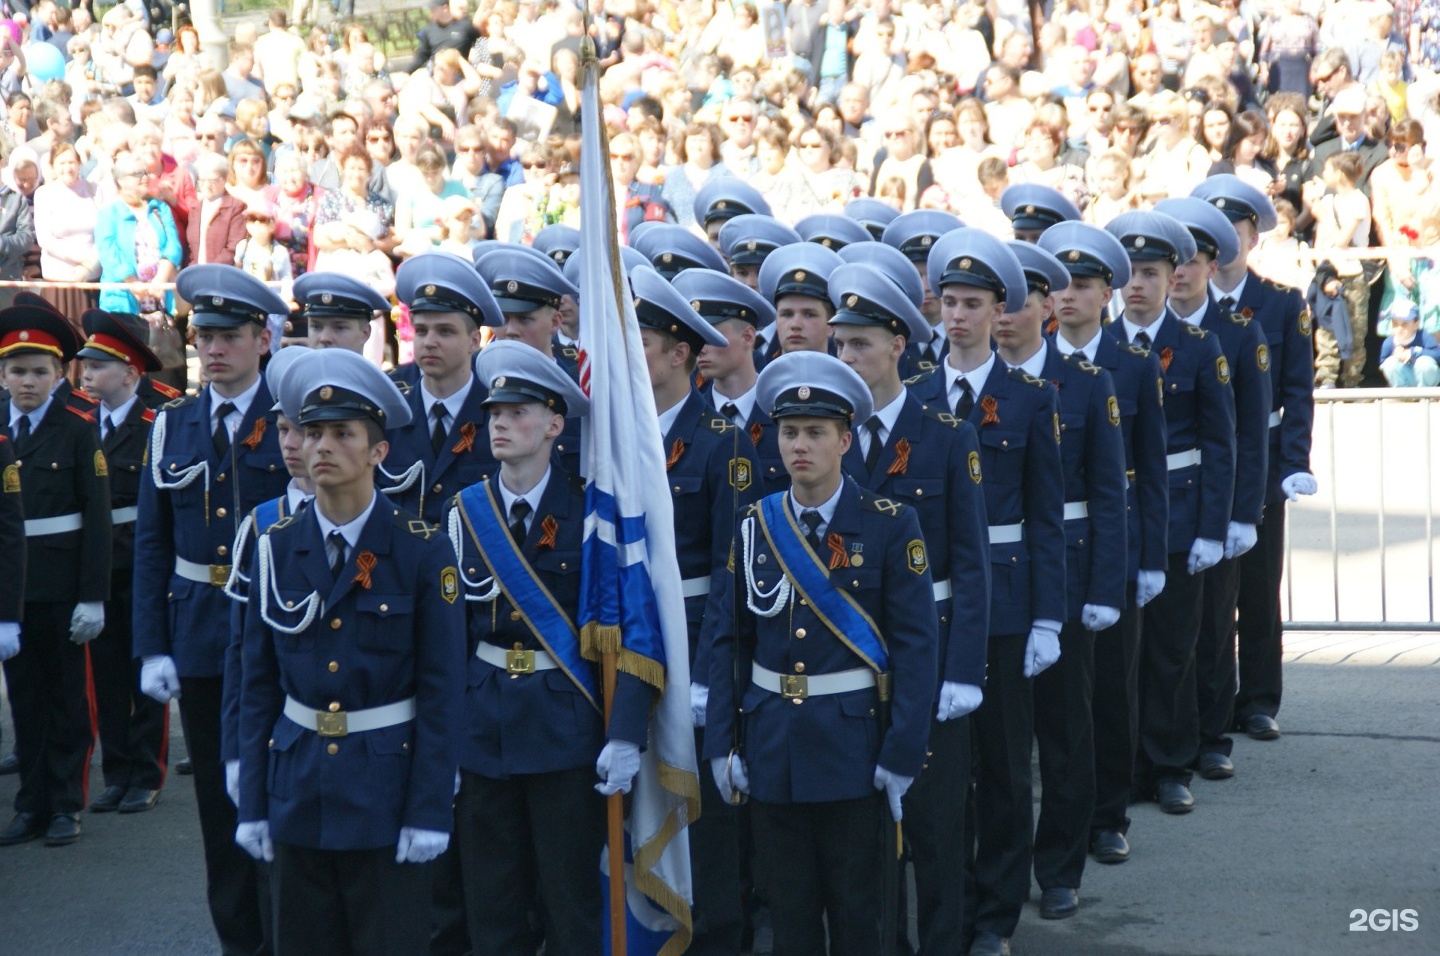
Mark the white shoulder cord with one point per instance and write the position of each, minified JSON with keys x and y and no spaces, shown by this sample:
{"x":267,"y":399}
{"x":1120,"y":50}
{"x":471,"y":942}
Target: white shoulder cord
{"x":237,"y":551}
{"x":458,"y":543}
{"x":780,"y":592}
{"x":184,"y":478}
{"x":311,"y":605}
{"x":403,"y":481}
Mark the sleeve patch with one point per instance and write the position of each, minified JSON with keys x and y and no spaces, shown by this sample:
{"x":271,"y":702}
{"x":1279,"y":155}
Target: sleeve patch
{"x":1262,"y":357}
{"x":1222,"y":370}
{"x":1306,"y":323}
{"x":917,"y":560}
{"x":449,"y":585}
{"x":973,"y":459}
{"x":1112,"y":407}
{"x":741,"y":473}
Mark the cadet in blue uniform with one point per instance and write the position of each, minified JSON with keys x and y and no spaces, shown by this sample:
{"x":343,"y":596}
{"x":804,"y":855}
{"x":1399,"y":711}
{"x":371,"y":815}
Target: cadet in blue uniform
{"x":1018,"y":421}
{"x":722,"y":199}
{"x":1285,"y":322}
{"x":558,"y":241}
{"x":442,"y":448}
{"x":927,"y":458}
{"x":1033,"y":208}
{"x":1097,"y":264}
{"x":746,"y":241}
{"x":1200,"y":443}
{"x":913,"y":234}
{"x":338,"y":310}
{"x":820,"y":640}
{"x":796,"y":279}
{"x":672,"y":249}
{"x":1249,"y":358}
{"x":64,"y":484}
{"x":1093,"y":454}
{"x":353,"y":684}
{"x":873,"y":214}
{"x":212,"y":459}
{"x":134,"y":730}
{"x":529,"y":825}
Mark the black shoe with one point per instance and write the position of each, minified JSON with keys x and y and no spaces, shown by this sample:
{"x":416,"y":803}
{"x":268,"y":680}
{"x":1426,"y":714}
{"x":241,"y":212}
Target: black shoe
{"x":64,"y":829}
{"x":1261,"y":727}
{"x":1174,"y":797}
{"x":138,"y":800}
{"x":9,"y":764}
{"x":1215,"y":766}
{"x":109,"y":800}
{"x":1059,"y":902}
{"x":184,"y":767}
{"x":989,"y":944}
{"x":22,"y":829}
{"x":1109,"y":846}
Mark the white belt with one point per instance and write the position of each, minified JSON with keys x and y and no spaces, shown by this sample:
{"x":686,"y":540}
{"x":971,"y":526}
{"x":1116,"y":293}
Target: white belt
{"x":124,"y":515}
{"x":1007,"y":533}
{"x":36,"y":527}
{"x":800,"y":686}
{"x":1075,"y":510}
{"x":695,"y":587}
{"x":1182,"y":459}
{"x":515,"y":662}
{"x":213,"y":574}
{"x":1274,"y":419}
{"x":941,"y":589}
{"x":338,"y":723}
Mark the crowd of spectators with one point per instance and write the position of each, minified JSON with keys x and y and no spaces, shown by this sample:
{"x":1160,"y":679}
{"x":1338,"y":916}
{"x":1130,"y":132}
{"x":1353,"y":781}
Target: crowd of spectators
{"x":127,"y":154}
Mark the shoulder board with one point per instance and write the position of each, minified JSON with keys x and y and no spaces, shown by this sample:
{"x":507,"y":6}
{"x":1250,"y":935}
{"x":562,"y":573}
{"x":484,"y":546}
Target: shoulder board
{"x":148,"y":416}
{"x":1134,"y":349}
{"x":1194,"y":330}
{"x":169,"y":391}
{"x":1074,"y":360}
{"x":917,"y":379}
{"x":404,"y":387}
{"x":280,"y":525}
{"x":85,"y":415}
{"x":1239,"y":318}
{"x":751,"y":510}
{"x":940,"y":415}
{"x":84,"y":397}
{"x":884,"y":506}
{"x":180,"y":402}
{"x":419,"y":527}
{"x":1020,"y":375}
{"x":1277,"y":286}
{"x":719,"y":425}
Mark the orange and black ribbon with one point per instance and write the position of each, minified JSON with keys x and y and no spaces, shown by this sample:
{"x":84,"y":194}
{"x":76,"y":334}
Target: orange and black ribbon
{"x":252,"y":441}
{"x":838,"y":557}
{"x":902,"y":458}
{"x":1052,"y":326}
{"x":756,"y":433}
{"x":467,"y":439}
{"x":548,"y":527}
{"x":365,"y":561}
{"x":1167,"y":354}
{"x":699,"y":381}
{"x":991,"y":408}
{"x":676,"y":450}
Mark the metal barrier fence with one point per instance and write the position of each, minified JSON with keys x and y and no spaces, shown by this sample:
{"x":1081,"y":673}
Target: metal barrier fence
{"x":1360,"y":554}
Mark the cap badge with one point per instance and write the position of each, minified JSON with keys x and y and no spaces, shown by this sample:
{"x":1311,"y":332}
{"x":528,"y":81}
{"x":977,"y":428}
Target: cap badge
{"x":722,"y":204}
{"x":925,"y":241}
{"x":803,"y":393}
{"x":850,"y":301}
{"x":750,"y":246}
{"x":666,"y":258}
{"x":499,"y":382}
{"x":799,"y":276}
{"x":325,"y":393}
{"x":1074,"y":255}
{"x":1029,"y":210}
{"x":217,"y":300}
{"x":827,"y":242}
{"x":965,"y":265}
{"x":511,"y":286}
{"x":695,"y":304}
{"x":430,"y":290}
{"x":1139,"y":242}
{"x":1220,"y":203}
{"x":326,"y":298}
{"x":24,"y":336}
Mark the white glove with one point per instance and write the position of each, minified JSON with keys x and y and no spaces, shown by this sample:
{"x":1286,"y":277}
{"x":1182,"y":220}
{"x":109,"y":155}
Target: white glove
{"x":254,"y":839}
{"x":619,"y":762}
{"x":957,"y":700}
{"x":894,"y":786}
{"x":1300,"y":483}
{"x":1239,"y":538}
{"x":1205,"y":553}
{"x":420,"y":846}
{"x":729,"y":779}
{"x":159,"y":679}
{"x":9,"y":639}
{"x":87,"y":622}
{"x":699,"y":698}
{"x":232,"y":782}
{"x":1097,"y":617}
{"x":1042,"y":648}
{"x":1148,"y":585}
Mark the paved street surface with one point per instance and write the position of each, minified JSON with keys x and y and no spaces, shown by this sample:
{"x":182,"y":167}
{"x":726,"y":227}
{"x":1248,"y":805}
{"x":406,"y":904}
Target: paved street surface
{"x":1338,"y":815}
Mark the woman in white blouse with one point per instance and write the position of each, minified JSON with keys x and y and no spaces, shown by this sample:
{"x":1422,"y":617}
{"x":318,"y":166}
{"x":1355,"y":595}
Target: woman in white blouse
{"x":65,"y":211}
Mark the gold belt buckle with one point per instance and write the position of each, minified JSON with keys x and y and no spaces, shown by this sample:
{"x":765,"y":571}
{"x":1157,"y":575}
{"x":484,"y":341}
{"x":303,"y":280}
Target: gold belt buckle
{"x":519,"y":662}
{"x":331,"y":724}
{"x":219,"y":575}
{"x":794,"y":686}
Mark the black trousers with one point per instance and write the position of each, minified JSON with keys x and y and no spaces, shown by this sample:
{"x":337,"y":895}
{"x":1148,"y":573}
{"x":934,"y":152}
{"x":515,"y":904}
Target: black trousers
{"x":239,"y":904}
{"x":1260,"y":632}
{"x":1115,"y":715}
{"x":935,"y":831}
{"x":349,"y":903}
{"x":1215,"y":683}
{"x":1169,"y":717}
{"x":818,"y":862}
{"x":52,"y":702}
{"x":134,"y":729}
{"x":532,"y":843}
{"x":1065,"y":736}
{"x":1003,"y":728}
{"x":449,"y":934}
{"x":719,"y":917}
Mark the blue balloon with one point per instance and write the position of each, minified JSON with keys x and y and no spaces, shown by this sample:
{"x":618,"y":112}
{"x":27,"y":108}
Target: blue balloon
{"x":44,"y":62}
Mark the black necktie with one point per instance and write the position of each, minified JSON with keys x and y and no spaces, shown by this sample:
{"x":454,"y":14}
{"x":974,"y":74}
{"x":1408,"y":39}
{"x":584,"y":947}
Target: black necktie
{"x":336,"y":542}
{"x":967,"y":401}
{"x":437,"y":433}
{"x":811,"y":519}
{"x":519,"y":511}
{"x":1142,"y":339}
{"x":1227,"y":305}
{"x":221,"y":438}
{"x":872,"y":425}
{"x":22,"y":429}
{"x":108,"y":429}
{"x":730,"y":411}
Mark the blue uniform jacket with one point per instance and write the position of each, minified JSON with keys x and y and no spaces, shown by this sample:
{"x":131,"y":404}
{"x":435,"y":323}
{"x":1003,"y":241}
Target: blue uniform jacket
{"x":1281,"y":314}
{"x":1020,"y":462}
{"x":395,"y":634}
{"x":913,"y":362}
{"x":1244,"y":346}
{"x":1093,"y":454}
{"x":931,"y":461}
{"x":1199,"y":414}
{"x":826,"y":747}
{"x":463,"y":460}
{"x":540,"y":722}
{"x":764,"y":440}
{"x":174,"y":615}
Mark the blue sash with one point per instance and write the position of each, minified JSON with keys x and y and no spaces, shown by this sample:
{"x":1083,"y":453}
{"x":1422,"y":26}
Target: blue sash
{"x":552,"y":627}
{"x":834,"y":606}
{"x":267,"y":513}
